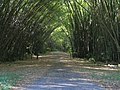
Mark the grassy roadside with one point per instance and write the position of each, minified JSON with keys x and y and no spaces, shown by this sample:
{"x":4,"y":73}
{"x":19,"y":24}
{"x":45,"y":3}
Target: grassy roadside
{"x":8,"y":79}
{"x":106,"y":76}
{"x":19,"y":73}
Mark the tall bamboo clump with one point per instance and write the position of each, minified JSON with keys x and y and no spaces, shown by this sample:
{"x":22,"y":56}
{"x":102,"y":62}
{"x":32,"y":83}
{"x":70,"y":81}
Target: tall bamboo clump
{"x":23,"y":24}
{"x":96,"y":28}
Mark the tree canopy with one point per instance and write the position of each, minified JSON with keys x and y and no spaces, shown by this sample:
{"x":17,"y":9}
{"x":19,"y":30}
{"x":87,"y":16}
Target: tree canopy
{"x":87,"y":28}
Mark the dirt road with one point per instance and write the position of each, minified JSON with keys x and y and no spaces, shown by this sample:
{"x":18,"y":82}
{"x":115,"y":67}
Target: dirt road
{"x":60,"y":75}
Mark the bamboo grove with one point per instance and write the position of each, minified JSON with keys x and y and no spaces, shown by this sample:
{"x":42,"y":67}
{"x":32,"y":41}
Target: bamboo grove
{"x":25,"y":24}
{"x":92,"y":26}
{"x":95,"y":29}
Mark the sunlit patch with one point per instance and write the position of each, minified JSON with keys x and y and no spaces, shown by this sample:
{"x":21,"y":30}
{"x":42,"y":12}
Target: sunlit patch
{"x":82,"y":79}
{"x":68,"y":84}
{"x":62,"y":58}
{"x":46,"y":86}
{"x":66,"y":61}
{"x":68,"y":65}
{"x":17,"y":88}
{"x":80,"y":72}
{"x":101,"y":68}
{"x":35,"y":65}
{"x":60,"y":69}
{"x":48,"y":65}
{"x":57,"y":85}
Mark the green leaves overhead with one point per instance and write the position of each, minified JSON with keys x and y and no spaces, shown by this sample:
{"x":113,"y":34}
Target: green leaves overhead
{"x":91,"y":26}
{"x":95,"y":28}
{"x":23,"y":23}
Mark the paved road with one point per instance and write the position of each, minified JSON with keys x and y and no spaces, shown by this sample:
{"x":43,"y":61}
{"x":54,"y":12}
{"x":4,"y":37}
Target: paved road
{"x":61,"y":77}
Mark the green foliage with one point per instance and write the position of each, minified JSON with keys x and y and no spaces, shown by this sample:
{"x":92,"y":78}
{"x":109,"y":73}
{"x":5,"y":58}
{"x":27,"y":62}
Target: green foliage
{"x":59,"y":40}
{"x":25,"y":23}
{"x":90,"y":27}
{"x":95,"y":29}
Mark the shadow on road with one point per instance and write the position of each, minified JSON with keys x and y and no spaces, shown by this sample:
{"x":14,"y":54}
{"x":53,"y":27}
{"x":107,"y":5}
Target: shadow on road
{"x":60,"y":75}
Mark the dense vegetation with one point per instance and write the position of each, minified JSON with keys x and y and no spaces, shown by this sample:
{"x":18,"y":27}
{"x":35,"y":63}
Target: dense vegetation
{"x":90,"y":27}
{"x":95,"y":29}
{"x":25,"y":25}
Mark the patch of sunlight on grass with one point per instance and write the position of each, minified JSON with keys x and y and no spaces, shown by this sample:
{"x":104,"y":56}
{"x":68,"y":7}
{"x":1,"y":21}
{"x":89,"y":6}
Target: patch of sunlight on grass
{"x":100,"y":68}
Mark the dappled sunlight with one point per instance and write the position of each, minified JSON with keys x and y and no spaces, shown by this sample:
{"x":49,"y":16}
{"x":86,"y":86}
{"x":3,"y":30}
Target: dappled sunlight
{"x":53,"y":55}
{"x":46,"y":86}
{"x":59,"y":44}
{"x":62,"y":76}
{"x":66,"y":60}
{"x":101,"y":68}
{"x":17,"y":88}
{"x":60,"y":69}
{"x":35,"y":65}
{"x":68,"y":65}
{"x":84,"y":79}
{"x":43,"y":56}
{"x":86,"y":64}
{"x":57,"y":73}
{"x":77,"y":71}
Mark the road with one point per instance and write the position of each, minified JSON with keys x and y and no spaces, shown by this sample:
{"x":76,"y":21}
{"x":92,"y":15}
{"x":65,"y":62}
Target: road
{"x":60,"y":76}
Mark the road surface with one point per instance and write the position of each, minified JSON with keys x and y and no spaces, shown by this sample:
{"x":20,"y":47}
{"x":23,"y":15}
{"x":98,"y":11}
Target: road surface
{"x":61,"y":77}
